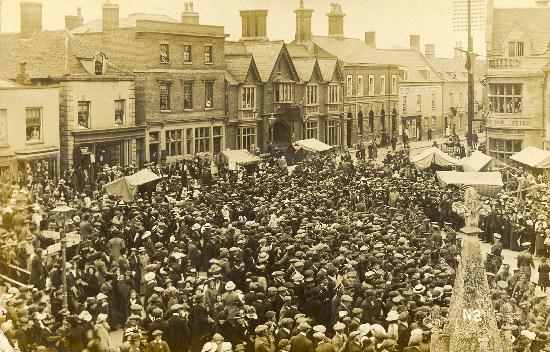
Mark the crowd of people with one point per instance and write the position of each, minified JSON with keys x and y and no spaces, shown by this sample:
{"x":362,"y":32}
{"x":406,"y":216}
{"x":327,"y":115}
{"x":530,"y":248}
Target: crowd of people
{"x":334,"y":256}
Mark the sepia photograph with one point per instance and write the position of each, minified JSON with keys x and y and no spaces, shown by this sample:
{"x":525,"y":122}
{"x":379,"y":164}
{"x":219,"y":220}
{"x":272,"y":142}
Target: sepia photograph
{"x":274,"y":175}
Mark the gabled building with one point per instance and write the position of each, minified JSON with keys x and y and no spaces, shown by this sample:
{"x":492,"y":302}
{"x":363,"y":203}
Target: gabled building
{"x":518,"y":63}
{"x":279,"y":92}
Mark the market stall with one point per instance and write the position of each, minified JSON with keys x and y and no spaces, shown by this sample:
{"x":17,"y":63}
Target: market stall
{"x":304,"y":149}
{"x":533,"y":157}
{"x":127,"y":186}
{"x":242,"y":157}
{"x":433,"y":155}
{"x":477,"y":161}
{"x":485,"y":183}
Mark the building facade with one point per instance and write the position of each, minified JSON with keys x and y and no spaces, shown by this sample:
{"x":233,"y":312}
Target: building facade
{"x":29,"y":132}
{"x":517,"y":79}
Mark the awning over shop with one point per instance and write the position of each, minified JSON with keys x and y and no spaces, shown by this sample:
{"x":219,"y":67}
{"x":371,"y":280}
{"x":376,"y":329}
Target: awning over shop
{"x":533,"y":157}
{"x":431,"y":156}
{"x":486,"y":183}
{"x":311,"y":145}
{"x":126,"y":187}
{"x":239,"y":156}
{"x":477,"y":161}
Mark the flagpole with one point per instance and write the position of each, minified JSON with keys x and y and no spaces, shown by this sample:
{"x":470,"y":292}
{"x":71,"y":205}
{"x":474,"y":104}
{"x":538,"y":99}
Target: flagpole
{"x":470,"y":62}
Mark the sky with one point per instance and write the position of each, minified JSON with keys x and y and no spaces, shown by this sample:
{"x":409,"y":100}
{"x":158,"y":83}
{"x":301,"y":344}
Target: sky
{"x":392,"y":20}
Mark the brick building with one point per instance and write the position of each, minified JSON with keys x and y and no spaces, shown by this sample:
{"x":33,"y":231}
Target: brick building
{"x":279,"y":92}
{"x":89,"y":91}
{"x":180,"y":78}
{"x":517,"y":78}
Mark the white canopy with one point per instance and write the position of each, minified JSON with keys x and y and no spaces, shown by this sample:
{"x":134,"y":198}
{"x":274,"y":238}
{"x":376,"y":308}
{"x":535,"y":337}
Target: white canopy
{"x":239,"y":156}
{"x":424,"y":159}
{"x":486,"y":183}
{"x":311,"y":145}
{"x":533,"y":157}
{"x":126,"y":187}
{"x":477,"y":161}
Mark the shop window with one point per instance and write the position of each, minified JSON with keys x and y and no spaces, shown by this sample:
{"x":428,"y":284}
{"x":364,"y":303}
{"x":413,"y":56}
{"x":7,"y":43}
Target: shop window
{"x":164,"y":54}
{"x":248,"y":97}
{"x":202,"y":139}
{"x":83,"y":114}
{"x":208,"y":59}
{"x":188,"y":95}
{"x":246,"y":138}
{"x":164,"y":96}
{"x":217,"y":137}
{"x":174,"y":142}
{"x":311,"y":129}
{"x":333,"y":93}
{"x":119,"y":111}
{"x":209,"y":95}
{"x":501,"y":149}
{"x":34,"y":124}
{"x":283,"y":93}
{"x":187,"y":54}
{"x":505,"y":98}
{"x":189,"y":141}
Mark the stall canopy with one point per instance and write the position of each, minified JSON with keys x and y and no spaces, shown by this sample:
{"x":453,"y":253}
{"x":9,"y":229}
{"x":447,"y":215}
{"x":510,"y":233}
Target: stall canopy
{"x":126,"y":187}
{"x":311,"y":145}
{"x":433,"y":155}
{"x":239,"y":156}
{"x":477,"y":161}
{"x":485,"y":183}
{"x":533,"y":157}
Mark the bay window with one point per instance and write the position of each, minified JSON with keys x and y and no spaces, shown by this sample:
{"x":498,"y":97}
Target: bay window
{"x":333,"y":93}
{"x":283,"y":93}
{"x":312,"y":94}
{"x":505,"y":98}
{"x":248,"y":97}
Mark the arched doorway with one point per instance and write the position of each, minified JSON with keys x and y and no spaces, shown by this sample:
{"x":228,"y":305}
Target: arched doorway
{"x":281,"y":133}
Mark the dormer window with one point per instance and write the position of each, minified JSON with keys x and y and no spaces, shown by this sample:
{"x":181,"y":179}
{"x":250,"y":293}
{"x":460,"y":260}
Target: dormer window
{"x":515,"y":49}
{"x":283,"y":93}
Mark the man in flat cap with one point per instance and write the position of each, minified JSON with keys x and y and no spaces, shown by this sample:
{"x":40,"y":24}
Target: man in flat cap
{"x":300,"y":342}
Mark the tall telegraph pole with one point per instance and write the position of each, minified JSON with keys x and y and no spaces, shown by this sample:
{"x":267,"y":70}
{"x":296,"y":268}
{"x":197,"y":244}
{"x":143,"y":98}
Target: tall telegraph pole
{"x":470,"y":63}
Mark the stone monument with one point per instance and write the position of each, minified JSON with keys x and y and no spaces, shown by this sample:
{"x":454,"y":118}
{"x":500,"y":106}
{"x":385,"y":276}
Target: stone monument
{"x":471,"y":324}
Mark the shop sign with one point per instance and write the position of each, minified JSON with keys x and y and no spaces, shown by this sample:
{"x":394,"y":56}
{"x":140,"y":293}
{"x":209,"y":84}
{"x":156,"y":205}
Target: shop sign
{"x":493,"y":122}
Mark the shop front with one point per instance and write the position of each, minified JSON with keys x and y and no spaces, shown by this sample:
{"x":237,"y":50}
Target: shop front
{"x":413,"y":126}
{"x":37,"y":165}
{"x":8,"y":167}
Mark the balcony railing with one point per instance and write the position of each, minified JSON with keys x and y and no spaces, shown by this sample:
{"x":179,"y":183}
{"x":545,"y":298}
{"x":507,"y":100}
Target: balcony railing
{"x":504,"y":63}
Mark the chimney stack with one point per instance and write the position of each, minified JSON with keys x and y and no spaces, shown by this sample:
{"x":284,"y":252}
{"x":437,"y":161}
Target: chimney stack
{"x":370,"y":39}
{"x":336,"y":21}
{"x":254,"y":24}
{"x":429,"y":51}
{"x":303,"y":24}
{"x":110,"y":16}
{"x":457,"y":52}
{"x":31,"y":18}
{"x":22,"y":77}
{"x":415,"y":42}
{"x":72,"y":22}
{"x":189,"y":16}
{"x":542,"y":3}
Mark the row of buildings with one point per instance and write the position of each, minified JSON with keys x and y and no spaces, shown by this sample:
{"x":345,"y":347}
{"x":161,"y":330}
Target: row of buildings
{"x":146,"y":88}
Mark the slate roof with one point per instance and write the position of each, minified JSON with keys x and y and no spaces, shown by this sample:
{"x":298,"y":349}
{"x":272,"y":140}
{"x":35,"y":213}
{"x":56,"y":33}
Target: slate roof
{"x":265,"y":55}
{"x":457,"y":66}
{"x":297,"y":50}
{"x":354,"y":51}
{"x":304,"y":66}
{"x":44,"y":54}
{"x":327,"y":67}
{"x":129,"y":22}
{"x":532,"y":20}
{"x":238,"y":66}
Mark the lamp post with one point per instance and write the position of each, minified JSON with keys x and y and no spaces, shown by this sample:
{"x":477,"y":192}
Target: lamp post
{"x":63,"y":209}
{"x":271,"y":120}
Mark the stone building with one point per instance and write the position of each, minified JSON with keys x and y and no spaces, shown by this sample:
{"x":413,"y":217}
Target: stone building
{"x":517,"y":78}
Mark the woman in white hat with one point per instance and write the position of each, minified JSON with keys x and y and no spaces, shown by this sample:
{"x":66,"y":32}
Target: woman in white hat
{"x":102,"y":331}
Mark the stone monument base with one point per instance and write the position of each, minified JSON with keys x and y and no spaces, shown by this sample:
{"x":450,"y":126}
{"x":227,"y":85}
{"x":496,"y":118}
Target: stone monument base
{"x":471,"y":230}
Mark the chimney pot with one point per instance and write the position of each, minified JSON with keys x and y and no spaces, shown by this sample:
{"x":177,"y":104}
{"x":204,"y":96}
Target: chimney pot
{"x":22,"y":77}
{"x":188,"y":15}
{"x":542,"y":3}
{"x":370,"y":39}
{"x":110,"y":16}
{"x":72,"y":22}
{"x":336,"y":21}
{"x":31,"y":18}
{"x":303,"y":24}
{"x":414,"y":41}
{"x":254,"y":24}
{"x":429,"y":50}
